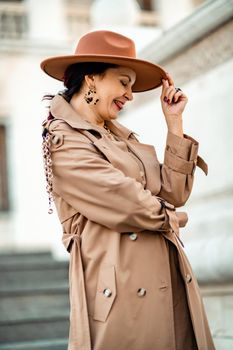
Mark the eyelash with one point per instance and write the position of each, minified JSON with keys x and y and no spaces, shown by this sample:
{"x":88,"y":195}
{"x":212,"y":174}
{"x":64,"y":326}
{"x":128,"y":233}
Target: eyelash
{"x":123,"y":83}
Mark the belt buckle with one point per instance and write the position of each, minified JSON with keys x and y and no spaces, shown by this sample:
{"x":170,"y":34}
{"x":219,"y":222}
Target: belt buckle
{"x":167,"y":205}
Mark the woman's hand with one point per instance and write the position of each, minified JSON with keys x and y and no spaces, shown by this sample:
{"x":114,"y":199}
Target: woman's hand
{"x":182,"y":218}
{"x":173,"y":104}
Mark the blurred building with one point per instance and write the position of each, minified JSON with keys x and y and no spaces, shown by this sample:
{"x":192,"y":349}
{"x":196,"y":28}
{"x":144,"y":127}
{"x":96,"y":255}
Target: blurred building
{"x":30,"y":31}
{"x":193,"y":40}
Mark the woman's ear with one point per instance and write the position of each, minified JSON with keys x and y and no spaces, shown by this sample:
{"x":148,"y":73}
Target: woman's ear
{"x":90,"y":80}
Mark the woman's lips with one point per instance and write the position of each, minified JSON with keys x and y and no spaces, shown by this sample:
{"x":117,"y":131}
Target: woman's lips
{"x":119,"y":104}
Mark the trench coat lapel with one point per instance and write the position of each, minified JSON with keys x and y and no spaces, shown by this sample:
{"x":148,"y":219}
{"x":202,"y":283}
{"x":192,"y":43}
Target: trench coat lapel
{"x":61,"y":109}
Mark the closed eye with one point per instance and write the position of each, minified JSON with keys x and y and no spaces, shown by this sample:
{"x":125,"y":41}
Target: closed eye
{"x":123,"y":83}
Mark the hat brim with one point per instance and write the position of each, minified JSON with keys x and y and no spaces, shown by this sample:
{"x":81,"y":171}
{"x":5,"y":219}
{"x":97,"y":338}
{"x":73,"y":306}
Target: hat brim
{"x":148,"y":75}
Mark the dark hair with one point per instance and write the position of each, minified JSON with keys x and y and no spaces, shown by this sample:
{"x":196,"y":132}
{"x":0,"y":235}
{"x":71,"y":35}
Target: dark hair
{"x":75,"y":73}
{"x":73,"y":80}
{"x":74,"y":76}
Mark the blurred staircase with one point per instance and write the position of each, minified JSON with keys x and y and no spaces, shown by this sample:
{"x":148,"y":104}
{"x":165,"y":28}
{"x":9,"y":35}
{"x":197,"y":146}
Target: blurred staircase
{"x":34,"y":302}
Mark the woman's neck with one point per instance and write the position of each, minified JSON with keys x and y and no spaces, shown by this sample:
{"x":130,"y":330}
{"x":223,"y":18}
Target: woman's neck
{"x":85,"y":111}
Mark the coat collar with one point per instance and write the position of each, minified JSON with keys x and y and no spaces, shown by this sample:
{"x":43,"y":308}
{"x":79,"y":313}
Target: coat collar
{"x":61,"y":109}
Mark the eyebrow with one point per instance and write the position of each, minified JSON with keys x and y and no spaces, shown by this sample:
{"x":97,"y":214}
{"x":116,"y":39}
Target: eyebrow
{"x":126,"y":75}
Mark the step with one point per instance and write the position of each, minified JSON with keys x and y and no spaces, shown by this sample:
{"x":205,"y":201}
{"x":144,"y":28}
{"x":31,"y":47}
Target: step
{"x":29,"y":265}
{"x":31,"y":330}
{"x":33,"y":275}
{"x":34,"y":304}
{"x":13,"y":257}
{"x":34,"y":301}
{"x":218,"y":301}
{"x":34,"y":314}
{"x":50,"y":344}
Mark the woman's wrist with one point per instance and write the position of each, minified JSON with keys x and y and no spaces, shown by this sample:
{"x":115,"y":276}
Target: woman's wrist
{"x":176,"y":132}
{"x":175,"y":125}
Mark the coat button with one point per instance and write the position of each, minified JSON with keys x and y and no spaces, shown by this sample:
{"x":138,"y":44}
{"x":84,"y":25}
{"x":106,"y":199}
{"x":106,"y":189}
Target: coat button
{"x":142,"y":174}
{"x":143,"y":177}
{"x":141,"y":292}
{"x":133,"y":236}
{"x":107,"y":292}
{"x":188,"y":278}
{"x":55,"y":139}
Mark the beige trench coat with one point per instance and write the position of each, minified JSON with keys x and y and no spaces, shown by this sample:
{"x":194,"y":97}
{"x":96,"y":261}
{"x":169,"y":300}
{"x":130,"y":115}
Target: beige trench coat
{"x":108,"y":195}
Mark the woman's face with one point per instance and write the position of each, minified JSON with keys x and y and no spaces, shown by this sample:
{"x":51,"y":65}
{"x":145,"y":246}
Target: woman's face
{"x":113,"y":89}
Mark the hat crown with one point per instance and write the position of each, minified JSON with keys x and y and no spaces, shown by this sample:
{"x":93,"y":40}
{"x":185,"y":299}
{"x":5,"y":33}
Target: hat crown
{"x":103,"y":42}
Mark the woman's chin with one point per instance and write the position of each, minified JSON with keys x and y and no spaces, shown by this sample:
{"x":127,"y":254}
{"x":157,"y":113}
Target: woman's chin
{"x":113,"y":114}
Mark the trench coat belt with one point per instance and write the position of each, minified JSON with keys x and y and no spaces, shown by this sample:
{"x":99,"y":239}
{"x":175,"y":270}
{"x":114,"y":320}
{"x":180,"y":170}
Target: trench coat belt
{"x":79,"y":323}
{"x":172,"y":218}
{"x":174,"y":224}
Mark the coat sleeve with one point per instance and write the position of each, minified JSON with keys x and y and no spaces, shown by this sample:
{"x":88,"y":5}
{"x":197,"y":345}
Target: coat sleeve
{"x":177,"y":171}
{"x":99,"y":191}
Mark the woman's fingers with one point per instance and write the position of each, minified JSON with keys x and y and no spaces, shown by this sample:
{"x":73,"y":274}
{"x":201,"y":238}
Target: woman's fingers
{"x":182,"y":217}
{"x":165,"y":84}
{"x":174,"y":95}
{"x":169,"y":93}
{"x":173,"y":102}
{"x":170,"y":80}
{"x":177,"y":95}
{"x":165,"y":88}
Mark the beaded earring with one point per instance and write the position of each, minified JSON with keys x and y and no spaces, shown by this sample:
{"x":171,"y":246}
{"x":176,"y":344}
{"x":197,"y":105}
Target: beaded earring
{"x":89,"y":97}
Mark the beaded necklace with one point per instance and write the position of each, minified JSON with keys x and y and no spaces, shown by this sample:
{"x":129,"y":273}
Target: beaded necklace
{"x":106,"y":128}
{"x":113,"y":137}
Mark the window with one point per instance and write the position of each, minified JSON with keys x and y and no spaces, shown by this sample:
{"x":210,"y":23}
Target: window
{"x":4,"y":195}
{"x":146,"y":5}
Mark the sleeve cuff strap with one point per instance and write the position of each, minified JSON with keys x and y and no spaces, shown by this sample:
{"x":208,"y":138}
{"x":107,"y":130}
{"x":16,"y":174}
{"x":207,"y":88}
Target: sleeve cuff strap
{"x":183,"y":147}
{"x":183,"y":166}
{"x":178,"y":164}
{"x":202,"y":165}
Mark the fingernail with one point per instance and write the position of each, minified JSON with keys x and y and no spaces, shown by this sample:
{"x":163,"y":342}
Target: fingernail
{"x":168,"y":101}
{"x":165,"y":99}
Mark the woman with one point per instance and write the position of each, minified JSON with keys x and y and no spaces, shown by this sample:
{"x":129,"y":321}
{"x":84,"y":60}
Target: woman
{"x":131,"y":285}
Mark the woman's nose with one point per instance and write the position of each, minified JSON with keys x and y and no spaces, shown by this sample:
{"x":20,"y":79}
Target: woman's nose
{"x":129,"y":95}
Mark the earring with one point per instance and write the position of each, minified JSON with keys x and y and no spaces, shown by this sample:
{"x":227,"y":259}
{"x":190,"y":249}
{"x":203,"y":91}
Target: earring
{"x":89,"y":97}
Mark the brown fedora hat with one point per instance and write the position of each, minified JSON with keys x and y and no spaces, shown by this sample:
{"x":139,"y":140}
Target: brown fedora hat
{"x":109,"y":47}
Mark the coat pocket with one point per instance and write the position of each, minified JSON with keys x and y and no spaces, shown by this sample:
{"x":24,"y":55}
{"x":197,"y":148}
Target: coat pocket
{"x":105,"y":293}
